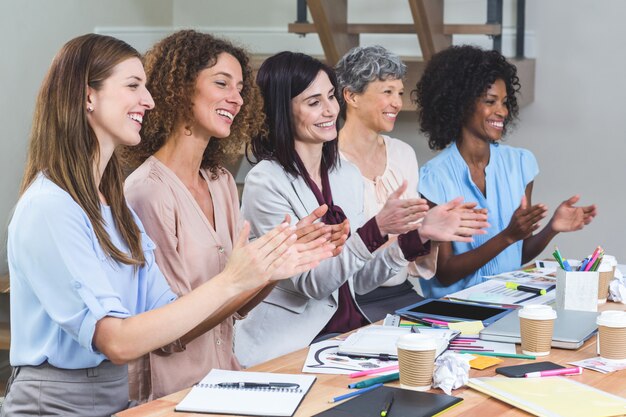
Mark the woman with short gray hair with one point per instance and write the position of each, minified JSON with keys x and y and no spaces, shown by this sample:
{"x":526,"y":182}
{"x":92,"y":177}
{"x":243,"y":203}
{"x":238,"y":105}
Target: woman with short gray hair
{"x":371,"y":90}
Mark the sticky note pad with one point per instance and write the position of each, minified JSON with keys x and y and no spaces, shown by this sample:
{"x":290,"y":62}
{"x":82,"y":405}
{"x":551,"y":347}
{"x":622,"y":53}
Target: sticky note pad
{"x":467,"y":328}
{"x":482,"y":362}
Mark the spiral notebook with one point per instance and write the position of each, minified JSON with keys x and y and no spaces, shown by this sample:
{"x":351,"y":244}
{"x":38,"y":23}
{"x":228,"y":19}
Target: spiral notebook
{"x":247,"y":393}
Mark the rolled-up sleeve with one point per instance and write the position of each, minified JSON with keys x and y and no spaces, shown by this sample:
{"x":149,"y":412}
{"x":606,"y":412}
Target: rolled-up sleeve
{"x":63,"y":267}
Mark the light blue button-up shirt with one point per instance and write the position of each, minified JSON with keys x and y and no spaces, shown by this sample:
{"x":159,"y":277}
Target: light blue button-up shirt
{"x":62,"y":282}
{"x":447,"y":176}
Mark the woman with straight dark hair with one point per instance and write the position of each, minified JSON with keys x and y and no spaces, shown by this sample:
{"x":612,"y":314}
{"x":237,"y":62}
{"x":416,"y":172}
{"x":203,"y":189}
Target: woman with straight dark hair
{"x":86,"y":294}
{"x":298,"y":169}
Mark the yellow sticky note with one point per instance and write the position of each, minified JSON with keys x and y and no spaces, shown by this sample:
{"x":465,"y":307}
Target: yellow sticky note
{"x":467,"y":328}
{"x":482,"y":362}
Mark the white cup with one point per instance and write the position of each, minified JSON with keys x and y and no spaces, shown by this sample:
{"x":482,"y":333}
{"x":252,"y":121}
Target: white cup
{"x":536,"y":328}
{"x":612,"y":335}
{"x":416,"y":360}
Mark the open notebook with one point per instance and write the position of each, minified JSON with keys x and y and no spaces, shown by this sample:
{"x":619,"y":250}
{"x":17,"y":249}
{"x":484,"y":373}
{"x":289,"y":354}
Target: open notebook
{"x":217,"y":393}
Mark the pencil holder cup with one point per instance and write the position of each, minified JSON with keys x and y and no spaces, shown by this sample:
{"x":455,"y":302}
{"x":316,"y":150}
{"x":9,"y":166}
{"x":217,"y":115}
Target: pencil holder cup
{"x":416,"y":360}
{"x":577,"y":290}
{"x":606,"y":272}
{"x":612,"y":336}
{"x":536,"y":327}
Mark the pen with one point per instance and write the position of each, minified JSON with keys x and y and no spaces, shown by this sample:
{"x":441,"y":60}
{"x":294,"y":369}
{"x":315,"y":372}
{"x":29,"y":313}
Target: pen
{"x":376,"y":380}
{"x":373,"y":371}
{"x":503,"y":355}
{"x":270,"y":385}
{"x":593,"y":258}
{"x":355,"y":393}
{"x":577,"y":370}
{"x":388,"y":403}
{"x":518,"y":287}
{"x":437,"y":322}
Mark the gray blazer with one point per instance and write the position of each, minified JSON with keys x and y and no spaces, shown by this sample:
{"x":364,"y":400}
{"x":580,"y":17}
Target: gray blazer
{"x":298,"y":308}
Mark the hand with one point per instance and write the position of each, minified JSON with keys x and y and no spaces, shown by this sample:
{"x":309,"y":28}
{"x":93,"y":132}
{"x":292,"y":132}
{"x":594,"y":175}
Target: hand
{"x":454,"y":222}
{"x":525,"y":221}
{"x":399,"y":216}
{"x":568,"y":218}
{"x":339,"y":235}
{"x":251,"y":265}
{"x":307,"y":229}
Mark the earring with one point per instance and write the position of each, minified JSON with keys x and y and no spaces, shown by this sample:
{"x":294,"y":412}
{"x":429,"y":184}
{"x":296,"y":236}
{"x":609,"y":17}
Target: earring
{"x":90,"y":109}
{"x":187,"y":131}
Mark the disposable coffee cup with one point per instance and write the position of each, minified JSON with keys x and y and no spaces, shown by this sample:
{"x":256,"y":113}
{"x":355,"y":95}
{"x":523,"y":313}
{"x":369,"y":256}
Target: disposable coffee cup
{"x":536,"y":325}
{"x":416,"y":359}
{"x":612,"y":336}
{"x":606,"y":273}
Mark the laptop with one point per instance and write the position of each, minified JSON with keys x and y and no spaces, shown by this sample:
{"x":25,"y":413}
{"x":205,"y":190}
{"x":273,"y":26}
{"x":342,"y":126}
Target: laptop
{"x":571,"y":329}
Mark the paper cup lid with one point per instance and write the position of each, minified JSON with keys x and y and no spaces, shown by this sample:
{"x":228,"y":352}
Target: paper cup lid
{"x":612,"y":319}
{"x":414,"y":341}
{"x":610,"y":259}
{"x":537,"y":312}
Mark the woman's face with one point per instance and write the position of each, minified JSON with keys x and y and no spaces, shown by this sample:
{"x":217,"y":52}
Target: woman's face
{"x":120,"y":104}
{"x":490,"y":111}
{"x":217,"y":99}
{"x":315,"y":112}
{"x":378,"y":106}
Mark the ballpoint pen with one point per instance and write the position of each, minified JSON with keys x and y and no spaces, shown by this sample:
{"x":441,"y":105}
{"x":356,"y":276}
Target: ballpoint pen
{"x":355,"y":393}
{"x":577,"y":370}
{"x":373,"y":371}
{"x":269,"y":385}
{"x":498,"y":354}
{"x":387,"y":406}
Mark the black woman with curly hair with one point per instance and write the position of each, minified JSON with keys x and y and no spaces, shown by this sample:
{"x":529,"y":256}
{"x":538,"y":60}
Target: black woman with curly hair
{"x":207,"y":107}
{"x":466,"y":101}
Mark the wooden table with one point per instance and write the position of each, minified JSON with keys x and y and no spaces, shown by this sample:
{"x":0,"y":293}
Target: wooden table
{"x":474,"y":403}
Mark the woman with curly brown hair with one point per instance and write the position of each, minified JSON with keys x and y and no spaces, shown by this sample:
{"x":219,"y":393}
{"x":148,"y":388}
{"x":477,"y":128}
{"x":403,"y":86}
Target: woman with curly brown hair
{"x":466,"y":100}
{"x":206,"y":108}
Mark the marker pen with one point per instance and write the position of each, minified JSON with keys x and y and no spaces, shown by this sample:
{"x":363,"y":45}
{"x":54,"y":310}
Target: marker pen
{"x":577,"y":370}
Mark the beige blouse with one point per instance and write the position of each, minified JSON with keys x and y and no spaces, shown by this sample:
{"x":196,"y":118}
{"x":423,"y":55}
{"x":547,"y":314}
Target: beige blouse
{"x":189,"y":252}
{"x":401,"y":165}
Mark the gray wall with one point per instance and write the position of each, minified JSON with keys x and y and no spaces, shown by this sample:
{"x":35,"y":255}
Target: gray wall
{"x":574,"y":127}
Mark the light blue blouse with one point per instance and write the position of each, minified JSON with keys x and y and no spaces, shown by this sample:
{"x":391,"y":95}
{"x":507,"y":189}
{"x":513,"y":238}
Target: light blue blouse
{"x":62,"y":282}
{"x":447,"y":176}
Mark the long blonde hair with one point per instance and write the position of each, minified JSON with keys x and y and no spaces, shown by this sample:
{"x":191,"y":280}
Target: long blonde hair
{"x":64,"y":146}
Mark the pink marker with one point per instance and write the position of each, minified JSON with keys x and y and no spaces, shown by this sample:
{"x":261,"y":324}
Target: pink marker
{"x":373,"y":371}
{"x":439,"y":322}
{"x":577,"y":370}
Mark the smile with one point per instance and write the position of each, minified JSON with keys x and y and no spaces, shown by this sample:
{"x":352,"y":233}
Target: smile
{"x":391,"y":115}
{"x":326,"y":124}
{"x":497,"y":125}
{"x":136,"y":117}
{"x":225,"y":113}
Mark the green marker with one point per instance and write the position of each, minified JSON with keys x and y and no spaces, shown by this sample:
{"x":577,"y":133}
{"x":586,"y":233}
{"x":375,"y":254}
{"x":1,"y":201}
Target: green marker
{"x":503,"y":355}
{"x":377,"y":380}
{"x":518,"y":287}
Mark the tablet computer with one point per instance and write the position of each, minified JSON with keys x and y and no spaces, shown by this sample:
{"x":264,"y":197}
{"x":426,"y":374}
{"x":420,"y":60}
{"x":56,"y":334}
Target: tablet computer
{"x":445,"y":310}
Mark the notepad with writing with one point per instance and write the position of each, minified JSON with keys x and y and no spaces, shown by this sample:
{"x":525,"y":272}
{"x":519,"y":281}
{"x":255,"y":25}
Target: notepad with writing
{"x":551,"y":396}
{"x":247,"y":393}
{"x":406,"y":403}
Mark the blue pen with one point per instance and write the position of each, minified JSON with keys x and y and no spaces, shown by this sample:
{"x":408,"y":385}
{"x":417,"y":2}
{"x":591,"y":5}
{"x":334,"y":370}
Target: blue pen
{"x":355,"y":393}
{"x":566,"y":265}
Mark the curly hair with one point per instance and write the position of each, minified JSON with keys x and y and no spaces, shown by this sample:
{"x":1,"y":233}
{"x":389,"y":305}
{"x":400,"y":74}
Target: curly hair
{"x":172,"y":67}
{"x":453,"y":80}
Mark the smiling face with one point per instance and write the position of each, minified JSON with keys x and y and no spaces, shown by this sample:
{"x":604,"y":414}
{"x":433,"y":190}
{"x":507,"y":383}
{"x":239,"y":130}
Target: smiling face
{"x":490,"y":111}
{"x":315,"y":112}
{"x":378,"y":106}
{"x":217,"y":99}
{"x":119,"y":105}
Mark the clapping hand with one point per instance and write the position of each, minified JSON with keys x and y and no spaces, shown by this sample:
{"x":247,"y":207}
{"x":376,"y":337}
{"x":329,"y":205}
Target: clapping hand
{"x":453,"y":221}
{"x":525,"y":221}
{"x":568,"y":218}
{"x":399,"y":216}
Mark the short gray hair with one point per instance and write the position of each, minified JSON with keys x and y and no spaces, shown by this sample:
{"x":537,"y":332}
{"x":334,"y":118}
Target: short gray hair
{"x":364,"y":64}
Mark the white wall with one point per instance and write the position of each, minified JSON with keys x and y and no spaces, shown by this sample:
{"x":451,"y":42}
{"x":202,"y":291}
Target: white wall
{"x":31,"y":32}
{"x":574,"y":127}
